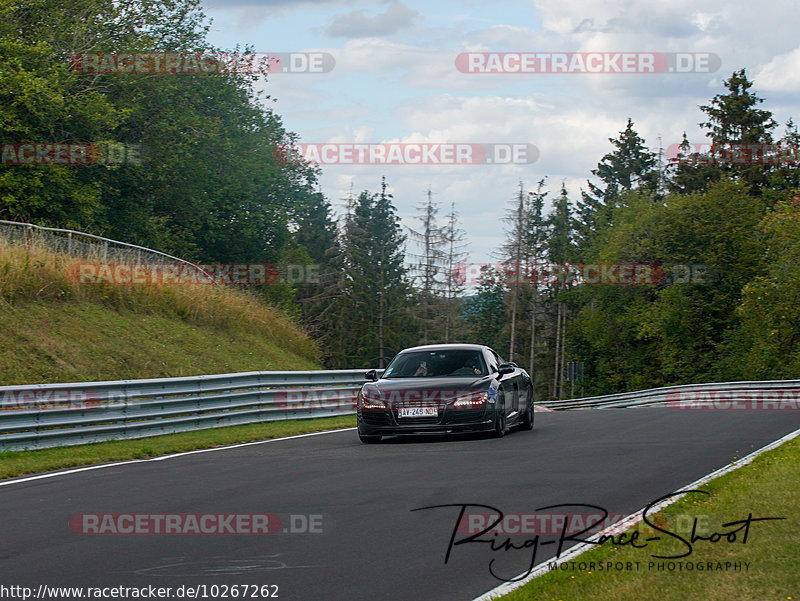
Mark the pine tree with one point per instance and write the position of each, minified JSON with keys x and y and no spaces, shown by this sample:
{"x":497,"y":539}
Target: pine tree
{"x":733,"y":117}
{"x":485,"y":311}
{"x":784,"y":176}
{"x":456,"y":255}
{"x":691,"y":171}
{"x":735,"y":127}
{"x":631,"y":165}
{"x":378,"y":290}
{"x":536,"y":235}
{"x":522,"y":254}
{"x":561,"y":250}
{"x":430,"y":271}
{"x":514,"y":257}
{"x":318,"y":235}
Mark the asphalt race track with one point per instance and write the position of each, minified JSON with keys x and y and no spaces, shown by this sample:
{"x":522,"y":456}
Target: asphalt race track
{"x":372,"y":545}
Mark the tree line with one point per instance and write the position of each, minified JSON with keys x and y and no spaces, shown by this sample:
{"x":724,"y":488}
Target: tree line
{"x":721,"y":223}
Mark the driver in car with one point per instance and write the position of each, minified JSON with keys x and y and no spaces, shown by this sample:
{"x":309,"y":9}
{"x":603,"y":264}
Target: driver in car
{"x":470,"y":364}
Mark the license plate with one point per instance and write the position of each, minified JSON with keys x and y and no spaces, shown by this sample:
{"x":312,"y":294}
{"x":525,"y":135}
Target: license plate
{"x":417,"y":412}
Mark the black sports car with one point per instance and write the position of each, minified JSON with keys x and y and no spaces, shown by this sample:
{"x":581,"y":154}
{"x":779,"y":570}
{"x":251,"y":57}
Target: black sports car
{"x":444,"y":388}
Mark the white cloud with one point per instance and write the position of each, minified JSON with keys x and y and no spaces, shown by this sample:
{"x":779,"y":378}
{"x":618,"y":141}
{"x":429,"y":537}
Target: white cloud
{"x":781,"y":74}
{"x":357,"y":24}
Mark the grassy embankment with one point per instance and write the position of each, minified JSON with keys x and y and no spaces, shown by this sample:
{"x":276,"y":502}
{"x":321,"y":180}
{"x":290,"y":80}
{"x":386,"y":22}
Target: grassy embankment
{"x":54,"y":330}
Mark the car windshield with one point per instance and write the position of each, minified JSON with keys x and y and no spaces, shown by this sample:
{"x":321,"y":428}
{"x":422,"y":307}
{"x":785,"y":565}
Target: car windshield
{"x":437,"y":364}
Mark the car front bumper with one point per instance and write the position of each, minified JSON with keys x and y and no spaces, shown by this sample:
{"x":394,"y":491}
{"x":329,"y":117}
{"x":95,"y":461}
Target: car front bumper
{"x":385,"y":422}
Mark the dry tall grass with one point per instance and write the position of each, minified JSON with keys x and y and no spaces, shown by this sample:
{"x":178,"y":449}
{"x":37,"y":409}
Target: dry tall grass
{"x":33,"y":272}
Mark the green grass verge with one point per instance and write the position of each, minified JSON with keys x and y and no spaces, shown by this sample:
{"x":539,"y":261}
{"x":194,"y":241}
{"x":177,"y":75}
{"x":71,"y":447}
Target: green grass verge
{"x":18,"y":463}
{"x":768,"y":487}
{"x":83,"y":341}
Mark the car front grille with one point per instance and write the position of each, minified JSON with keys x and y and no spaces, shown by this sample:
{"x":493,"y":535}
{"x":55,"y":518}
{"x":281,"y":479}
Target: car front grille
{"x":376,"y":417}
{"x":461,"y":416}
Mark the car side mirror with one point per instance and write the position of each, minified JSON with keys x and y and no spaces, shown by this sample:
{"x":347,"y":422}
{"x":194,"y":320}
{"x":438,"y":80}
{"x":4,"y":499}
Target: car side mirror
{"x":505,"y":369}
{"x":371,"y":375}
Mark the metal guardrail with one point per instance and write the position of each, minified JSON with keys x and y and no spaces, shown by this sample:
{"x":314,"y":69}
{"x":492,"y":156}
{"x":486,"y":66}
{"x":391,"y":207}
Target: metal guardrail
{"x":45,"y":415}
{"x":38,"y":416}
{"x":686,"y":396}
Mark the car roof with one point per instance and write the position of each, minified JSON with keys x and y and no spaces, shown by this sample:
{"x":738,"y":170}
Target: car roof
{"x":443,"y":347}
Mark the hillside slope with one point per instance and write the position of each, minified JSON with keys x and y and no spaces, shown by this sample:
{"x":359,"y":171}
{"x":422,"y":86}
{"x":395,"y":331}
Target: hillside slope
{"x":53,"y":330}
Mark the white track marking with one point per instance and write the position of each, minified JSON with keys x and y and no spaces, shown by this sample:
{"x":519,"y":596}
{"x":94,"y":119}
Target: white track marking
{"x":163,"y":457}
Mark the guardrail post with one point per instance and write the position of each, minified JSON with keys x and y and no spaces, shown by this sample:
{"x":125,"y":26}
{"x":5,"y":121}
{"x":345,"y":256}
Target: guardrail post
{"x":37,"y":427}
{"x":125,"y":413}
{"x":198,"y":401}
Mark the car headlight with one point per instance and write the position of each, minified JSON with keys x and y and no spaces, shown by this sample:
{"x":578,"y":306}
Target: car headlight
{"x":367,"y":402}
{"x":472,"y":400}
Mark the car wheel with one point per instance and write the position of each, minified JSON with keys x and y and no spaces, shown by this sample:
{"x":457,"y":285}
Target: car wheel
{"x":527,"y":418}
{"x":500,"y":417}
{"x":368,"y":439}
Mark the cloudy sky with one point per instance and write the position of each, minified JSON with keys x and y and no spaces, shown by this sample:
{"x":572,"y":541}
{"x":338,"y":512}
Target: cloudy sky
{"x":395,"y":79}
